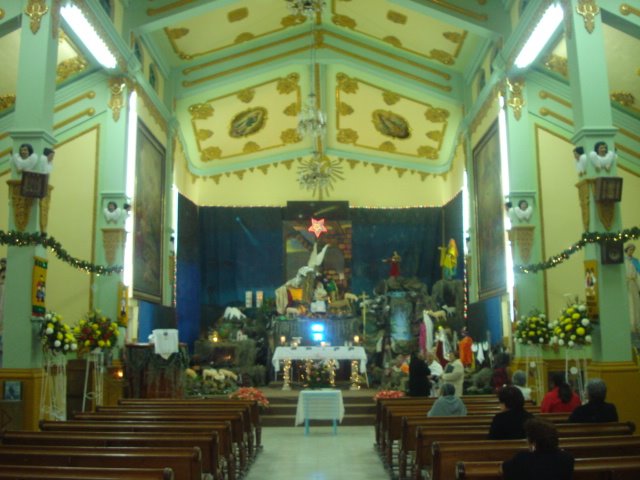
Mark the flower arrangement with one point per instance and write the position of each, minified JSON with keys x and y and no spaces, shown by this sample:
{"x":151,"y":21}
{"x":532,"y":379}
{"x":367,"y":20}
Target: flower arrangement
{"x":573,"y":327}
{"x":57,"y":336}
{"x":250,"y":393}
{"x":211,"y":381}
{"x":95,"y":330}
{"x":319,"y":374}
{"x":533,"y":329}
{"x":388,"y":394}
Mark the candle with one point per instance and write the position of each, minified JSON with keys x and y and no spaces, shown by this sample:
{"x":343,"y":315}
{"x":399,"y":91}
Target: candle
{"x":283,"y":340}
{"x":356,"y":339}
{"x":259,"y":298}
{"x":248,"y":299}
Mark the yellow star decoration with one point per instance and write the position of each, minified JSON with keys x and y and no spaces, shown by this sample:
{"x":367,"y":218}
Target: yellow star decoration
{"x":317,"y":227}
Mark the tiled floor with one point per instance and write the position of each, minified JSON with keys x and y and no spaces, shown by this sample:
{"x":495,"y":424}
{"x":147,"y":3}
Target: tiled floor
{"x":289,"y":455}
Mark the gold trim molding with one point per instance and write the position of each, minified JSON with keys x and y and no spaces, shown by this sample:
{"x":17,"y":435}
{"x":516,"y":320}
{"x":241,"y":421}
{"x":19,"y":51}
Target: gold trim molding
{"x":584,"y":197}
{"x":546,"y":95}
{"x":116,"y":101}
{"x":36,"y":9}
{"x":516,"y":97}
{"x":45,"y":203}
{"x":166,"y":8}
{"x":626,"y":9}
{"x":460,"y":10}
{"x":112,"y":239}
{"x":545,"y":112}
{"x":588,"y":9}
{"x":522,"y":237}
{"x":21,"y":205}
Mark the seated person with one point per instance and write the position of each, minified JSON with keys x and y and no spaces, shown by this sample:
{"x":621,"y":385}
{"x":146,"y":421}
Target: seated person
{"x":544,"y":459}
{"x":448,"y":404}
{"x":509,"y":423}
{"x":596,"y":410}
{"x":519,"y":380}
{"x":561,"y":398}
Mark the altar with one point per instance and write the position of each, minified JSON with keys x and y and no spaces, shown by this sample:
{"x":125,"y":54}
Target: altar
{"x":336,"y":329}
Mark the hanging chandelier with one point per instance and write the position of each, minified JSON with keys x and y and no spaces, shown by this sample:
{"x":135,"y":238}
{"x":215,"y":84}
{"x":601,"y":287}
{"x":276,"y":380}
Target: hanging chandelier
{"x":306,"y":8}
{"x":318,"y":174}
{"x":312,"y":122}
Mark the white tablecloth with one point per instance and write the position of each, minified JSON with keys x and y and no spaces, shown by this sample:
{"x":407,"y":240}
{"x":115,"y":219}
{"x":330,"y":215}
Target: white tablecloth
{"x":320,"y":353}
{"x":323,"y":404}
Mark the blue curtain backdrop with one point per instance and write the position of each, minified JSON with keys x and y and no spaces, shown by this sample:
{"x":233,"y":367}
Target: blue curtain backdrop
{"x":415,"y":233}
{"x":453,"y":228}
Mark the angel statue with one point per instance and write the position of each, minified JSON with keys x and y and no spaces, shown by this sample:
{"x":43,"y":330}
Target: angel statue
{"x":449,"y":259}
{"x":523,"y":212}
{"x":601,"y":157}
{"x":581,"y":161}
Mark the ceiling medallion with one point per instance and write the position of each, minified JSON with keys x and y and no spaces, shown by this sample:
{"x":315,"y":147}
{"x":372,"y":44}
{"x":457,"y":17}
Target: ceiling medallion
{"x":390,"y":98}
{"x":391,"y":124}
{"x":290,"y":135}
{"x":305,"y":8}
{"x":437,"y":115}
{"x":246,"y":95}
{"x":428,"y":152}
{"x":346,"y":83}
{"x":200,"y":111}
{"x":291,"y":110}
{"x":288,"y":84}
{"x":347,"y":135}
{"x":248,"y":122}
{"x":387,"y":147}
{"x":203,"y":134}
{"x":251,"y":147}
{"x":211,"y":153}
{"x":345,"y":109}
{"x":319,"y":173}
{"x":588,"y":9}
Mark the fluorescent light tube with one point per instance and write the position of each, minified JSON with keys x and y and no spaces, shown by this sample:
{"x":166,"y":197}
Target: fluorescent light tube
{"x":85,"y":32}
{"x":540,"y":36}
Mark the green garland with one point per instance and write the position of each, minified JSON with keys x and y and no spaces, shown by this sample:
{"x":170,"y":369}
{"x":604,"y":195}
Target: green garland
{"x":587,"y":237}
{"x":22,"y":239}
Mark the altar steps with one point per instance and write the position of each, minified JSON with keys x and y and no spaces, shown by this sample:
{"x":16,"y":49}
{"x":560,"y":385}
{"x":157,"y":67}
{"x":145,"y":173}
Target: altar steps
{"x":358,"y":404}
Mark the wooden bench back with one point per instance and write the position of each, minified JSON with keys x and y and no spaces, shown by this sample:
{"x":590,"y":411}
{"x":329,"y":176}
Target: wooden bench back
{"x":39,"y":472}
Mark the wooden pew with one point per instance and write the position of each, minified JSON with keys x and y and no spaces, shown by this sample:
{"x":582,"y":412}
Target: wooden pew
{"x":445,"y":455}
{"x":206,"y":442}
{"x":238,"y":428}
{"x":186,"y":463}
{"x":409,"y":425}
{"x":599,"y":468}
{"x":31,"y":472}
{"x":426,"y":436}
{"x":223,"y":429}
{"x":174,"y":402}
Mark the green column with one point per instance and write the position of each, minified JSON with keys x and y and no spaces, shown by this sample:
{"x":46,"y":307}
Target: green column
{"x":33,"y":123}
{"x":593,"y":123}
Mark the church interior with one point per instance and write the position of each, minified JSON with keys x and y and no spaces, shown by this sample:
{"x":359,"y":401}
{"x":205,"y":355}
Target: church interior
{"x":244,"y":189}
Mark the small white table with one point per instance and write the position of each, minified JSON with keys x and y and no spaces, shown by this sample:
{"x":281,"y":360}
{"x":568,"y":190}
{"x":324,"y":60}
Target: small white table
{"x":323,"y":404}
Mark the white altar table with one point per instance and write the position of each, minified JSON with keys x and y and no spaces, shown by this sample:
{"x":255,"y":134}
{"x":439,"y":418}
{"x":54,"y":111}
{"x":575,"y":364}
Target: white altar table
{"x":319,"y":353}
{"x":323,"y":404}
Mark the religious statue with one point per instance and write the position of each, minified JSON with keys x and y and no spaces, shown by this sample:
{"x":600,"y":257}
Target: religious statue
{"x":581,"y":161}
{"x":320,"y":295}
{"x":394,"y":264}
{"x":449,"y":259}
{"x":632,"y":265}
{"x":601,"y":157}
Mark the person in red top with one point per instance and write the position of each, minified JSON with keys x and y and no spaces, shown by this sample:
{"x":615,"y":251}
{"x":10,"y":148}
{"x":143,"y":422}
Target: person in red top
{"x":561,"y":398}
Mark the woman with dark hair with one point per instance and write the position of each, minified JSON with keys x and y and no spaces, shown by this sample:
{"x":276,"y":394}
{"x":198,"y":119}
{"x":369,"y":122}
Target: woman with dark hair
{"x":561,"y":398}
{"x":419,"y":384}
{"x":544,"y":458}
{"x":509,"y":423}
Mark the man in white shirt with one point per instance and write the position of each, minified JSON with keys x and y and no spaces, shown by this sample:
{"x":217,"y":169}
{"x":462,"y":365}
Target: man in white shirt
{"x":436,"y":372}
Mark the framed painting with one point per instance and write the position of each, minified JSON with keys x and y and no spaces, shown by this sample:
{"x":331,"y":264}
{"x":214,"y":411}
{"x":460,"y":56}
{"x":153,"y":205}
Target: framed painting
{"x":489,"y":214}
{"x":148,"y":210}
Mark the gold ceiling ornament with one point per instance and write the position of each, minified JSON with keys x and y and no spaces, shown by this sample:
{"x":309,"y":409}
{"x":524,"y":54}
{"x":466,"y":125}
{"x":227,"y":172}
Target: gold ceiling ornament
{"x":290,"y":135}
{"x":237,"y":14}
{"x":392,"y":40}
{"x":347,"y":135}
{"x":69,"y":67}
{"x":200,"y":111}
{"x":588,"y":9}
{"x":557,"y":64}
{"x":287,"y":164}
{"x":436,"y":115}
{"x":352,"y":163}
{"x":215,"y":178}
{"x":7,"y":101}
{"x":21,"y":205}
{"x":246,"y":95}
{"x":457,"y":9}
{"x":250,"y":147}
{"x":344,"y":109}
{"x":423,"y":175}
{"x":544,"y":95}
{"x":435,"y":135}
{"x":244,"y":37}
{"x":264,"y":169}
{"x":344,"y":21}
{"x":1,"y":14}
{"x":346,"y":83}
{"x":203,"y":134}
{"x":36,"y":9}
{"x":176,"y":33}
{"x":625,"y":10}
{"x":387,"y":147}
{"x":211,"y":153}
{"x":545,"y":112}
{"x":516,"y":96}
{"x":454,"y":37}
{"x":625,"y":99}
{"x":239,"y":174}
{"x":441,"y":56}
{"x":288,"y":84}
{"x":248,"y":122}
{"x":292,"y":20}
{"x":116,"y":102}
{"x":426,"y":151}
{"x":400,"y":171}
{"x":319,"y":173}
{"x":390,"y":98}
{"x":292,"y":109}
{"x":391,"y":124}
{"x":165,"y":8}
{"x":377,"y":167}
{"x":396,"y":17}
